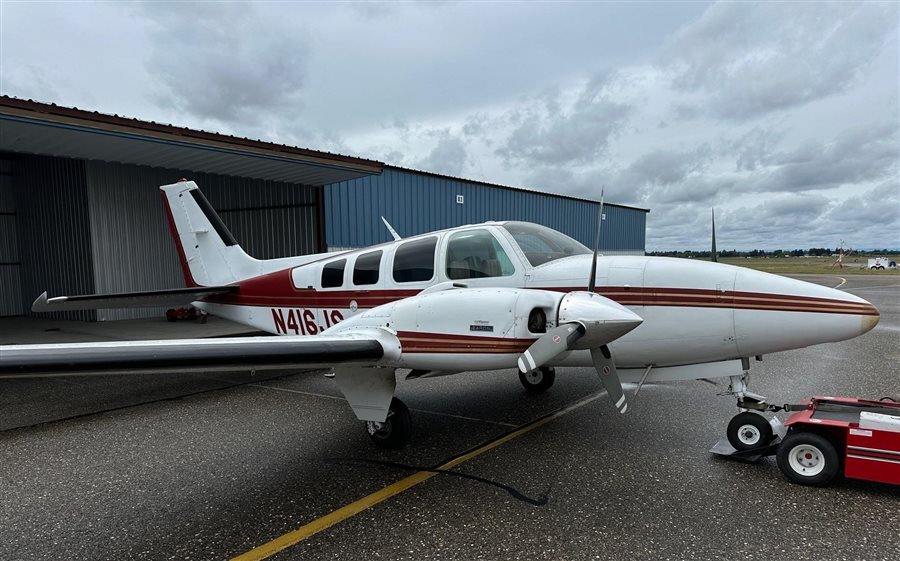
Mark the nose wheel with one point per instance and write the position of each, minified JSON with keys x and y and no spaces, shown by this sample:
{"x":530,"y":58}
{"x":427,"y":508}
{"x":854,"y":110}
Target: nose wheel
{"x":396,"y":431}
{"x":539,"y":380}
{"x":747,"y":431}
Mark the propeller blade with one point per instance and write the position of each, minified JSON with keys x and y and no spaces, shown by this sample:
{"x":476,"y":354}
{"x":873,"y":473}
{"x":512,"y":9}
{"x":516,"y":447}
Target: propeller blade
{"x":713,"y":254}
{"x":592,"y":280}
{"x":549,"y":345}
{"x":609,"y":376}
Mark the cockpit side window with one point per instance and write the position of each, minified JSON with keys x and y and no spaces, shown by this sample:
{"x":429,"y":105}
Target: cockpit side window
{"x":474,"y":254}
{"x":333,"y":273}
{"x":541,"y":244}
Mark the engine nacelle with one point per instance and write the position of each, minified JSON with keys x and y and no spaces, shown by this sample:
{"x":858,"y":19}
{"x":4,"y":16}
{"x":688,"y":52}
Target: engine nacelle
{"x":463,"y":328}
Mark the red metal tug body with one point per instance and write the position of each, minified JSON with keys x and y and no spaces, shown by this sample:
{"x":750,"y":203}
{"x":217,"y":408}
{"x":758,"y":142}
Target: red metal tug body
{"x":862,"y":435}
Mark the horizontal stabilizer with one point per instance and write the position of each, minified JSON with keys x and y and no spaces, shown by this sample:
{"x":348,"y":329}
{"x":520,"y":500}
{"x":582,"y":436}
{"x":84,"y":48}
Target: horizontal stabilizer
{"x":147,"y":299}
{"x":180,"y":355}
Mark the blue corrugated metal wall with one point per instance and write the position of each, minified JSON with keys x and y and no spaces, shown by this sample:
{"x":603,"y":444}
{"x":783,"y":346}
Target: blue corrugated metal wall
{"x":417,"y":202}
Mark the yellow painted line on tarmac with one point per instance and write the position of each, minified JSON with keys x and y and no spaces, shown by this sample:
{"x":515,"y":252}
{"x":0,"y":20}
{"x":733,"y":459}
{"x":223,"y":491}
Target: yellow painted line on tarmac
{"x":843,"y":282}
{"x":291,"y":538}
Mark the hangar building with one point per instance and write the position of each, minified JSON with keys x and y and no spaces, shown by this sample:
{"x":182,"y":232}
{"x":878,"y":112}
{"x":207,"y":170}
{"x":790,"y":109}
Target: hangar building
{"x":80,"y":209}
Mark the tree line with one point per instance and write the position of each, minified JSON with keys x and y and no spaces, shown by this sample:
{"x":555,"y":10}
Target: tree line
{"x":812,"y":252}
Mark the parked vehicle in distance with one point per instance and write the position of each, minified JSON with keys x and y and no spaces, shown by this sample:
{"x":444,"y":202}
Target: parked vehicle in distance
{"x":881,"y":263}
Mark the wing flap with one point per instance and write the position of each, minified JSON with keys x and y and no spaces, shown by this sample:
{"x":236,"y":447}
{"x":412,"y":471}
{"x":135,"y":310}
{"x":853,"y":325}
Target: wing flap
{"x":145,"y":299}
{"x":178,"y":355}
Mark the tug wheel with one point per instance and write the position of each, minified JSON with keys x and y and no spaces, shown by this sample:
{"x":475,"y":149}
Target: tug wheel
{"x":396,"y":430}
{"x":747,"y":431}
{"x":808,"y":458}
{"x":538,"y":381}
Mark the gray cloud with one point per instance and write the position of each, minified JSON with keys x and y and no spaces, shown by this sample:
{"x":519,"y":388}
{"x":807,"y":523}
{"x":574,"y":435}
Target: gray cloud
{"x":856,"y":155}
{"x":755,"y":148}
{"x":225,"y":62}
{"x":28,"y":81}
{"x":548,"y":133}
{"x":872,"y":218}
{"x":754,"y":58}
{"x":447,"y":157}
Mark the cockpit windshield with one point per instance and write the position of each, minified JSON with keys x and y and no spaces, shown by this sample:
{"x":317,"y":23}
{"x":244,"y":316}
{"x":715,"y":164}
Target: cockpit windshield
{"x":541,"y":244}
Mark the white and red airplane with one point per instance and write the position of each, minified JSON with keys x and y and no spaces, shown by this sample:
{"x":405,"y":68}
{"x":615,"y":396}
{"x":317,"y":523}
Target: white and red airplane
{"x":480,"y":297}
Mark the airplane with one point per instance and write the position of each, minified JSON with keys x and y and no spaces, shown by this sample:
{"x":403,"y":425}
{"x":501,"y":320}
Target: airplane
{"x":480,"y":297}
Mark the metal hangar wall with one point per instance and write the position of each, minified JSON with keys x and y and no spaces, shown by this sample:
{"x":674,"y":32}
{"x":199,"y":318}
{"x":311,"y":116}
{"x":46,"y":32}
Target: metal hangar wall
{"x":81,"y":211}
{"x":415,"y":202}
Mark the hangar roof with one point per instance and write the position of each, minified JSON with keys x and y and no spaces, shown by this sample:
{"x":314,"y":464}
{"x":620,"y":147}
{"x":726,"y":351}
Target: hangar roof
{"x":31,"y":127}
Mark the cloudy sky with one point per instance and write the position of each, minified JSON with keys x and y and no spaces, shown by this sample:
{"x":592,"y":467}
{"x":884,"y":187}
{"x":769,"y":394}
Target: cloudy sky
{"x":783,"y":116}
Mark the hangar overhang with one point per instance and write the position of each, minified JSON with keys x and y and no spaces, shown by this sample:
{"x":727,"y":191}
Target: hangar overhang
{"x":45,"y":129}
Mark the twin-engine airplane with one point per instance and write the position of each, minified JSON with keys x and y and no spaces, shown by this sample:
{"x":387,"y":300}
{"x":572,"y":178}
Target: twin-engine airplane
{"x":480,"y":297}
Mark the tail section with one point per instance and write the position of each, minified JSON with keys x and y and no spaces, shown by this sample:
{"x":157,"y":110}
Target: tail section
{"x":209,"y":253}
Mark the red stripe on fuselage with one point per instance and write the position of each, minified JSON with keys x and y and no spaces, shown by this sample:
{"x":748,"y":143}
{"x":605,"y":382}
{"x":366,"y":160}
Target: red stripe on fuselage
{"x":277,"y":290}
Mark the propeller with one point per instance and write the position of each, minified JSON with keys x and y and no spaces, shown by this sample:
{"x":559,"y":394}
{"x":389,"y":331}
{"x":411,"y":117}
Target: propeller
{"x":713,"y":254}
{"x":586,"y":320}
{"x":550,"y":345}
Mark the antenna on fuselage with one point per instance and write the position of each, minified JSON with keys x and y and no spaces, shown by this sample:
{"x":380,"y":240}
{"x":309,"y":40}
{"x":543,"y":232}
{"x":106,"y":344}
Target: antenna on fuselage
{"x":713,"y":254}
{"x":391,"y":229}
{"x":592,"y":280}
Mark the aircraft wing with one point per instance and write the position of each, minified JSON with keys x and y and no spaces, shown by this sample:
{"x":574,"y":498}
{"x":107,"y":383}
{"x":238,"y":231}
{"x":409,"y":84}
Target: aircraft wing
{"x":146,"y":299}
{"x":364,"y":348}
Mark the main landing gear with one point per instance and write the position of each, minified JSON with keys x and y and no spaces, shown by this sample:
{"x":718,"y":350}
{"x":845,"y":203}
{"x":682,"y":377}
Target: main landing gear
{"x":396,"y":430}
{"x":538,"y":381}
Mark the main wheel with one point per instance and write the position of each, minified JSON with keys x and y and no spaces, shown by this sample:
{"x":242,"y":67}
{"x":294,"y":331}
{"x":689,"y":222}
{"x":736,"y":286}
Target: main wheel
{"x":396,"y":430}
{"x":539,"y":380}
{"x":747,"y":431}
{"x":808,"y":458}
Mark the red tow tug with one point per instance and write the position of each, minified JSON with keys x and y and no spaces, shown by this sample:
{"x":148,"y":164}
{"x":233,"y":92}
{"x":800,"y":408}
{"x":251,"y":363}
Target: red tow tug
{"x":829,"y":435}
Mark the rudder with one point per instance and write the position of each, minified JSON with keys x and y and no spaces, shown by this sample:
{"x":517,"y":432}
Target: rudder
{"x":209,"y":253}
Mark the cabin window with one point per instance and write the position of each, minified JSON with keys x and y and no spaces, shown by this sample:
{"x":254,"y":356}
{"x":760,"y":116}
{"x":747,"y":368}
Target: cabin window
{"x":333,"y":273}
{"x":475,"y":254}
{"x":414,"y":261}
{"x":365,"y":270}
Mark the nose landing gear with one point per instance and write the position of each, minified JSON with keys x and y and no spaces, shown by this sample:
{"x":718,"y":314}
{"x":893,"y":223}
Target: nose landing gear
{"x":747,"y":431}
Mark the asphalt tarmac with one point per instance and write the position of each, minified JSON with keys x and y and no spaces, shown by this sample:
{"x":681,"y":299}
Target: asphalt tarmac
{"x":230,"y":468}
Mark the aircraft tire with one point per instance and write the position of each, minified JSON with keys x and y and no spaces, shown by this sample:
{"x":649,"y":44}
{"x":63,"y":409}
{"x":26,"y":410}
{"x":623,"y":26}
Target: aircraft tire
{"x":808,"y":458}
{"x":747,"y":431}
{"x":538,"y":381}
{"x":396,"y":430}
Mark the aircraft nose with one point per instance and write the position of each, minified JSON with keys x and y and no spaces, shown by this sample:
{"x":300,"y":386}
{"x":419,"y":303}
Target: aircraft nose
{"x":778,"y":312}
{"x":603,"y":319}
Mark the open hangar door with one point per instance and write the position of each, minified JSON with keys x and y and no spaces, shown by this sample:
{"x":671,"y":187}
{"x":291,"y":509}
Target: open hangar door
{"x":100,"y":227}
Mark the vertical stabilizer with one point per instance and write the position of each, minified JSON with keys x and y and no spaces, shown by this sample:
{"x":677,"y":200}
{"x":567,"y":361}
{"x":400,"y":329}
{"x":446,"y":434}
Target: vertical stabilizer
{"x":209,"y":253}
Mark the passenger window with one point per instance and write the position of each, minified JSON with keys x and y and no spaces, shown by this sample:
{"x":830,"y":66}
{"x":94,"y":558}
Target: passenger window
{"x":476,"y":254}
{"x":365,"y":271}
{"x":333,"y":274}
{"x":414,"y":261}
